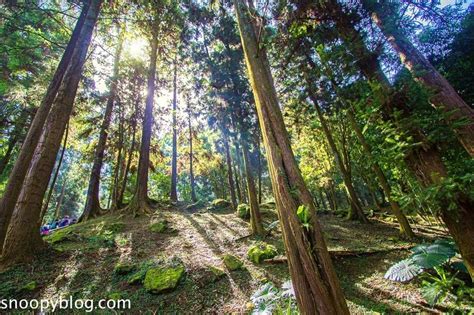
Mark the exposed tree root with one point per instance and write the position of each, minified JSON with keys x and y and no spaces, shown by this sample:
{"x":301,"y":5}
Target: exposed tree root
{"x":341,"y":253}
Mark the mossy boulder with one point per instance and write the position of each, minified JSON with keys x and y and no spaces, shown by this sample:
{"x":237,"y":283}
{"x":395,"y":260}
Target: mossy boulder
{"x":260,"y":251}
{"x":123,"y":268}
{"x":61,"y":235}
{"x":195,"y":206}
{"x":217,"y":273}
{"x":163,"y":279}
{"x":243,"y":211}
{"x":219,"y":205}
{"x":159,"y":226}
{"x":232,"y":262}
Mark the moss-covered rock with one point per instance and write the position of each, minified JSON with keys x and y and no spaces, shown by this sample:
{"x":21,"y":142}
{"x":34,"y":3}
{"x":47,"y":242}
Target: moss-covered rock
{"x":217,"y":273}
{"x":243,"y":211}
{"x":136,"y":278}
{"x":61,"y":235}
{"x":260,"y":251}
{"x":232,"y":262}
{"x":220,"y":204}
{"x":159,"y":226}
{"x":123,"y":268}
{"x":162,"y":279}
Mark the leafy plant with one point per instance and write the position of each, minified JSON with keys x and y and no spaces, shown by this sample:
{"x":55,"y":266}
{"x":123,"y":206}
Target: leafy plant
{"x":424,"y":256}
{"x":437,"y":288}
{"x":304,"y":215}
{"x":268,"y":299}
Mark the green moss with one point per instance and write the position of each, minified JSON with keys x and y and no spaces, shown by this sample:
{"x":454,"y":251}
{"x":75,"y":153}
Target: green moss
{"x":162,"y":279}
{"x":232,"y":262}
{"x":219,"y":205}
{"x":61,"y":235}
{"x":30,"y":286}
{"x":243,"y":211}
{"x":159,"y":227}
{"x":114,"y":296}
{"x":123,"y":268}
{"x":260,"y":251}
{"x":217,"y":272}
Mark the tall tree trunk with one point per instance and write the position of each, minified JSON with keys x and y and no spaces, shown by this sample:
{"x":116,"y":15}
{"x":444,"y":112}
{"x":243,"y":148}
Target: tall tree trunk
{"x":23,"y":160}
{"x":55,"y":176}
{"x":424,"y":160}
{"x":23,"y":240}
{"x":130,"y":153}
{"x":118,"y":164}
{"x":445,"y":98}
{"x":356,"y":212}
{"x":174,"y":158}
{"x":255,"y":216}
{"x":237,"y":184}
{"x":230,"y":176}
{"x":191,"y":158}
{"x":240,"y":175}
{"x":57,"y":210}
{"x":405,"y":228}
{"x":259,"y":170}
{"x":140,"y":201}
{"x":314,"y":279}
{"x":92,"y":206}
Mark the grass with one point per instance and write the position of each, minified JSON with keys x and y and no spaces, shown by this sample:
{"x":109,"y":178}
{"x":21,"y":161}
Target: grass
{"x":81,"y":261}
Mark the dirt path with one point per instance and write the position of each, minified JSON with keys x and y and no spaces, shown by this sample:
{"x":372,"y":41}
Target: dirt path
{"x":84,"y":268}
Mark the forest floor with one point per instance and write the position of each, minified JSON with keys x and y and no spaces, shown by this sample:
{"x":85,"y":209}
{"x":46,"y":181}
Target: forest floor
{"x":82,"y":259}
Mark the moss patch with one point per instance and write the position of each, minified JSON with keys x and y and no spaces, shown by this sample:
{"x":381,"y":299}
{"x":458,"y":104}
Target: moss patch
{"x":243,"y":211}
{"x":232,"y":262}
{"x":159,"y":226}
{"x":162,"y":279}
{"x":260,"y":251}
{"x":123,"y":268}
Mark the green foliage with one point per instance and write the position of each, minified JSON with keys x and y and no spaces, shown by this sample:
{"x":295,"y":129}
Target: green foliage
{"x":159,"y":227}
{"x":423,"y":257}
{"x":232,"y":262}
{"x":243,"y":211}
{"x":161,"y":279}
{"x":260,"y":251}
{"x":442,"y":286}
{"x":269,"y":299}
{"x":304,"y":215}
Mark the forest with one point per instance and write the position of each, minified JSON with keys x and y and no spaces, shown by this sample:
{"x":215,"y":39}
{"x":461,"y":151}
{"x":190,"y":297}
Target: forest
{"x":237,"y":156}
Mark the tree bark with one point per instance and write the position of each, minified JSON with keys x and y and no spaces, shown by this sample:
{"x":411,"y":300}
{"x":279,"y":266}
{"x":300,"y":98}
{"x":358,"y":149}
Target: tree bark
{"x":314,"y":279}
{"x":230,"y":176}
{"x":424,"y":160}
{"x":356,"y":212}
{"x":191,"y":158}
{"x":445,"y":97}
{"x":255,"y":216}
{"x":174,"y":158}
{"x":23,"y":161}
{"x":57,"y":210}
{"x":55,"y":176}
{"x":405,"y":228}
{"x":92,"y":207}
{"x":140,"y":201}
{"x":23,"y":240}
